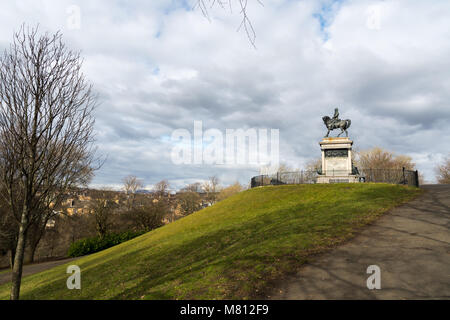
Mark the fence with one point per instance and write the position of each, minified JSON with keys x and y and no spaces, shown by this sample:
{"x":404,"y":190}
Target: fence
{"x":394,"y":176}
{"x":299,"y":177}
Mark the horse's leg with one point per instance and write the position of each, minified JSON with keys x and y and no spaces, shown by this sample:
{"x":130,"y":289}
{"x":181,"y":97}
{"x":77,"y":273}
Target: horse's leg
{"x":328,"y":133}
{"x":342,"y":131}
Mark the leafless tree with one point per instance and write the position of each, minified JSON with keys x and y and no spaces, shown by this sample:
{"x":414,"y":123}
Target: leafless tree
{"x":161,"y":188}
{"x":102,"y":207}
{"x":150,"y":215}
{"x":52,"y":238}
{"x":46,"y":126}
{"x":193,"y":187}
{"x":35,"y":233}
{"x":102,"y":214}
{"x":131,"y":185}
{"x":189,"y":202}
{"x":314,"y":165}
{"x":283,"y":167}
{"x":378,"y":158}
{"x":443,"y":172}
{"x":211,"y":188}
{"x":230,"y":191}
{"x":242,"y":5}
{"x":8,"y":232}
{"x":75,"y":227}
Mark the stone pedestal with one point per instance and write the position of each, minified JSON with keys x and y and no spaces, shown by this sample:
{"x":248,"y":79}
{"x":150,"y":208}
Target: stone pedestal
{"x":337,"y":161}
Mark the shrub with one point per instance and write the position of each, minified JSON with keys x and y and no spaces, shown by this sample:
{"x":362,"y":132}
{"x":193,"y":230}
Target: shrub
{"x":91,"y":245}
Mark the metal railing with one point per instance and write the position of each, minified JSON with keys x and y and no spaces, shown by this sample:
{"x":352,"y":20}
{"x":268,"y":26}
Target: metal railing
{"x":298,"y":177}
{"x":394,"y":176}
{"x":336,"y":173}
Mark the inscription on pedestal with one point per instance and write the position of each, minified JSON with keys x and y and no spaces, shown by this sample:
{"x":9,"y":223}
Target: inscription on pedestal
{"x":335,"y":153}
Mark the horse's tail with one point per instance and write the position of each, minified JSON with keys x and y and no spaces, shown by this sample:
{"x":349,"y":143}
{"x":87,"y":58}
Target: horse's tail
{"x":349,"y":123}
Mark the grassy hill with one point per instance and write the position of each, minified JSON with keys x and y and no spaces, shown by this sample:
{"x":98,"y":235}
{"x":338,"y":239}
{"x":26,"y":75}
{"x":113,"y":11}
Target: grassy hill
{"x":234,"y":249}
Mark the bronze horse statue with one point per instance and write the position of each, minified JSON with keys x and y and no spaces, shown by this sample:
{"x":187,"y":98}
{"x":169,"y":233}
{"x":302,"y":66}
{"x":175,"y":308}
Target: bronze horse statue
{"x":332,"y":124}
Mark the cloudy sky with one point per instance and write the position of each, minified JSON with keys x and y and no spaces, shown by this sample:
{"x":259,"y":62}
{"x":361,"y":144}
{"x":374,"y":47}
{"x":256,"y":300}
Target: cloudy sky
{"x":160,"y":65}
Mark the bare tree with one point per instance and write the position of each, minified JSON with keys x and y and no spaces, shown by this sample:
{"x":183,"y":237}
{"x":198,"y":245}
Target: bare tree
{"x":189,"y":202}
{"x":230,"y":191}
{"x":377,"y":158}
{"x":161,"y":188}
{"x":131,"y":185}
{"x":35,"y":233}
{"x":211,"y":188}
{"x":443,"y":172}
{"x":102,"y":208}
{"x":246,"y":24}
{"x":75,"y":227}
{"x":52,"y":238}
{"x":188,"y":198}
{"x":286,"y":168}
{"x":195,"y":187}
{"x":8,"y":232}
{"x":46,"y":125}
{"x":150,"y":215}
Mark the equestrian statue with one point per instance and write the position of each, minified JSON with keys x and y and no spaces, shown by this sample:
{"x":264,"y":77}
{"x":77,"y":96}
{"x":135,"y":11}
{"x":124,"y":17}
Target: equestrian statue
{"x":336,"y":123}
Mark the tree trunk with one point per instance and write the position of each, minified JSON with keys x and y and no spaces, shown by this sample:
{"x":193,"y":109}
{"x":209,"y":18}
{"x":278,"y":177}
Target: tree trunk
{"x":33,"y":240}
{"x":29,"y":255}
{"x":18,"y":260}
{"x":12,"y":253}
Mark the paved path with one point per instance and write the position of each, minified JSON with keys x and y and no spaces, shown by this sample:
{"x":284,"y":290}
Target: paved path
{"x":5,"y":277}
{"x":411,"y":245}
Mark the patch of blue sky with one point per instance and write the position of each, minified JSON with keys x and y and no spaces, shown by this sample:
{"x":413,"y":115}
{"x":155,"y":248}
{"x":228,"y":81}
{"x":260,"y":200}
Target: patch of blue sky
{"x":130,"y":9}
{"x":178,"y":4}
{"x":171,"y":7}
{"x":166,"y":138}
{"x":326,"y":14}
{"x":156,"y":71}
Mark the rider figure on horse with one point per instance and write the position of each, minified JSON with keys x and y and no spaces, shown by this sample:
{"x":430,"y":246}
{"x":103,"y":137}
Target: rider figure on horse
{"x":336,"y":123}
{"x":335,"y":118}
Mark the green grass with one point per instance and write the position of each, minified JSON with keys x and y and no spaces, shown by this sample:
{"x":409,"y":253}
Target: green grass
{"x":232,"y":250}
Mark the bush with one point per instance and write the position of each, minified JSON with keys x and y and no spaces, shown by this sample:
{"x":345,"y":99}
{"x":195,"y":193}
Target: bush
{"x":91,"y":245}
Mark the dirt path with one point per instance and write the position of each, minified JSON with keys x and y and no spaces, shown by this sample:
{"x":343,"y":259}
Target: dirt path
{"x":411,"y":245}
{"x":5,"y":277}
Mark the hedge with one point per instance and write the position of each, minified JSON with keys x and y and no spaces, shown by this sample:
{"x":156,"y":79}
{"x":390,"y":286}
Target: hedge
{"x":91,"y":245}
